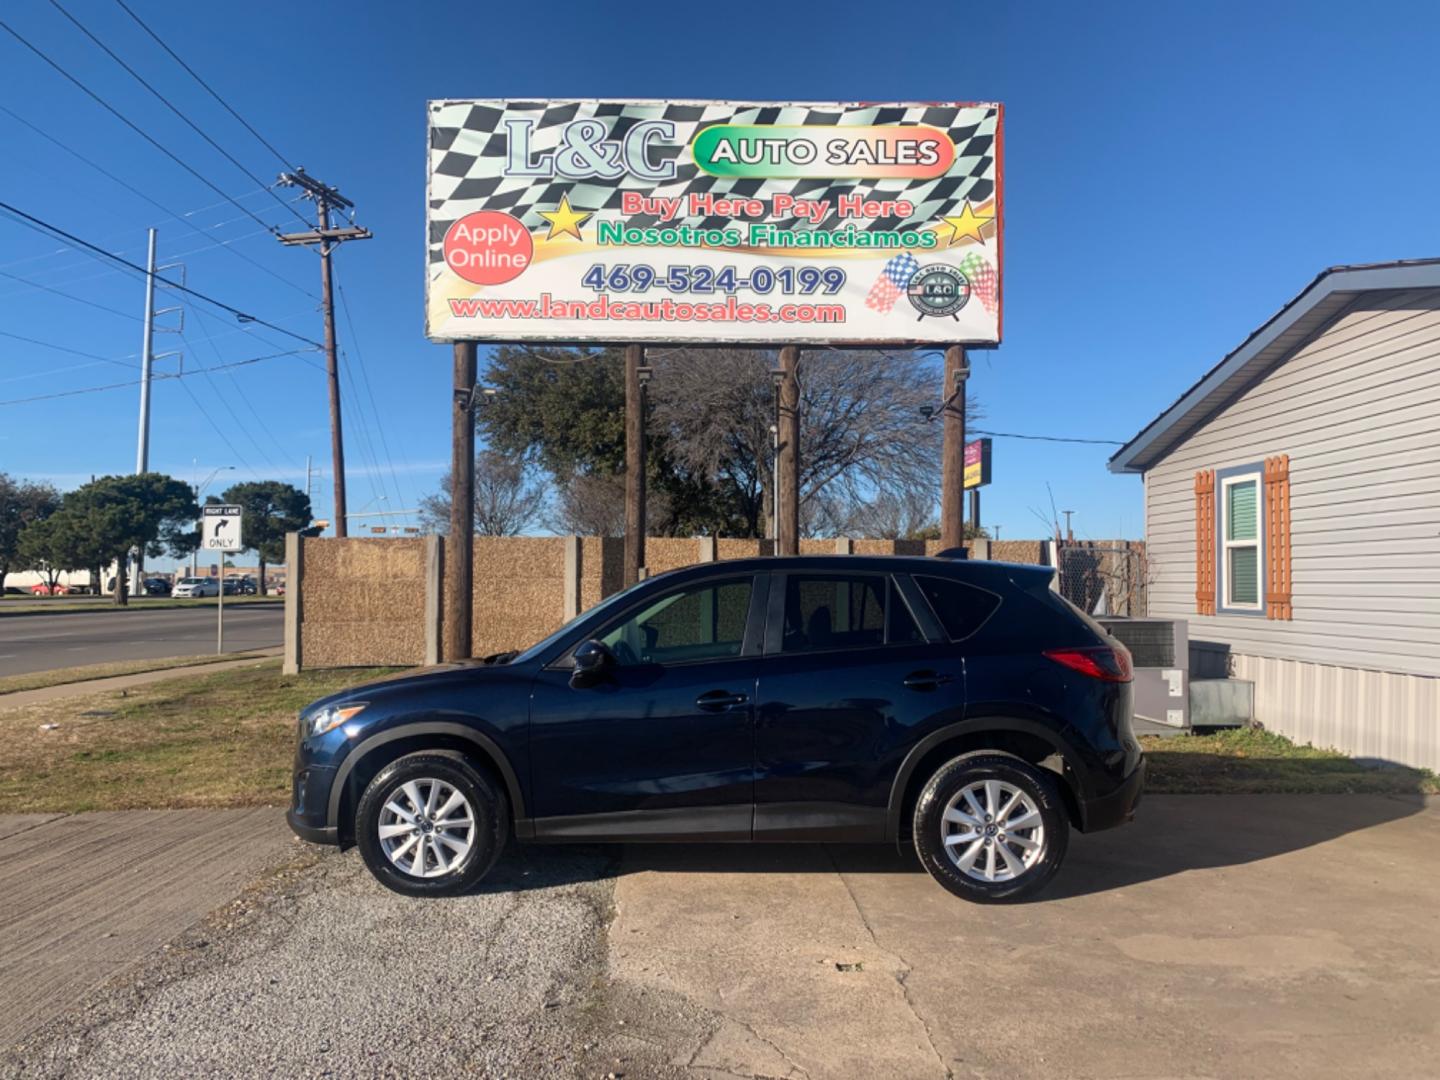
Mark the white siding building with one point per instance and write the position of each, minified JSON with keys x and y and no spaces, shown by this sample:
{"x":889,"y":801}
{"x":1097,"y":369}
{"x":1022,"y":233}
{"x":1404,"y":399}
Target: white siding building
{"x":1317,"y":577}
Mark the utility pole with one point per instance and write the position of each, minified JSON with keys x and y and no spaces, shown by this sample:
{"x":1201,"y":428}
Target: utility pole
{"x":787,"y":525}
{"x":1069,"y":533}
{"x":460,"y":543}
{"x":952,"y":455}
{"x":327,"y":198}
{"x":636,"y":376}
{"x":147,"y":358}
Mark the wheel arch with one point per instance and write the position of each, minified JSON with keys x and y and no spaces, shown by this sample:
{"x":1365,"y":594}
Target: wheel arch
{"x":372,"y":754}
{"x":1025,"y":739}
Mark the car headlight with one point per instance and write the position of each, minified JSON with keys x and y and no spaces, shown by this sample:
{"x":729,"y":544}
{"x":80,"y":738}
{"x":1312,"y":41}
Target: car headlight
{"x":329,"y":718}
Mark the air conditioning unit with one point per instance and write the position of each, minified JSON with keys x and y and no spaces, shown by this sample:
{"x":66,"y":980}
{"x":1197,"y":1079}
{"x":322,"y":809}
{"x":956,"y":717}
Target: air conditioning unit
{"x":1160,"y":651}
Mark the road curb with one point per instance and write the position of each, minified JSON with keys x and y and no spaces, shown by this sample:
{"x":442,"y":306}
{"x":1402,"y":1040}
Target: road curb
{"x":245,"y":605}
{"x":19,"y":699}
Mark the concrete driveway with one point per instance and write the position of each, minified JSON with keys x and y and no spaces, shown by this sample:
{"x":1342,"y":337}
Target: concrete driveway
{"x":1218,"y":936}
{"x":1234,"y":936}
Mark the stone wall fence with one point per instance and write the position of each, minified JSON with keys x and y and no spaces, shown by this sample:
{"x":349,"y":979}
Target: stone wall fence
{"x":371,"y":601}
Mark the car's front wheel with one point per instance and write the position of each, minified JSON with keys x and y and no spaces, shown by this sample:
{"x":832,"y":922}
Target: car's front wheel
{"x":431,"y":824}
{"x":990,"y":827}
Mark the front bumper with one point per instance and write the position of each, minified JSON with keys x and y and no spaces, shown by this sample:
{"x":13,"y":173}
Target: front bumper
{"x":309,"y":813}
{"x":1118,"y":807}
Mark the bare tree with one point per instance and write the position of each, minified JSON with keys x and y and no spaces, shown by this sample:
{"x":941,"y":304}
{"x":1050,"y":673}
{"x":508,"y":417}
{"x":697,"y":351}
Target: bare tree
{"x":861,"y":427}
{"x":506,"y":502}
{"x":593,"y":504}
{"x":888,"y":515}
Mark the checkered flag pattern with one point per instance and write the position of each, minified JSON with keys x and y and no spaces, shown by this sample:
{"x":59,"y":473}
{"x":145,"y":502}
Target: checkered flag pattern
{"x":468,"y":151}
{"x":890,"y":285}
{"x":984,"y":282}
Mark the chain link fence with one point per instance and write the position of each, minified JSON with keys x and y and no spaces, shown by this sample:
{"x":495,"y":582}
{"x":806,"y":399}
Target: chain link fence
{"x":1104,"y":579}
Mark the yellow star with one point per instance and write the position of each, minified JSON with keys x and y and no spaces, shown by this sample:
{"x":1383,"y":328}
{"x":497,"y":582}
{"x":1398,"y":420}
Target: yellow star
{"x":564,"y":220}
{"x":967,"y":224}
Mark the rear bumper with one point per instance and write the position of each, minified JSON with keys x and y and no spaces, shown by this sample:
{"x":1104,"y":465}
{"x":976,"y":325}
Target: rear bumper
{"x":1116,"y":808}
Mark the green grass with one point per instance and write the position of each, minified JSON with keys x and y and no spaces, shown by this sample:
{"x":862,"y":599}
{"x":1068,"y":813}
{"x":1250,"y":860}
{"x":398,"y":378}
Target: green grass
{"x":55,"y":605}
{"x":1260,"y":762}
{"x":227,"y":738}
{"x":39,"y":680}
{"x":221,"y":739}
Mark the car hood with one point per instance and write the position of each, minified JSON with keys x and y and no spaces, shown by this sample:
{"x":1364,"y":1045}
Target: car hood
{"x":402,"y":679}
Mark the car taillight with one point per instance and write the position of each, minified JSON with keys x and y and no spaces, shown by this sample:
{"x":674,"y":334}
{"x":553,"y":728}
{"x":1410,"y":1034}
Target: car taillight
{"x":1099,"y":662}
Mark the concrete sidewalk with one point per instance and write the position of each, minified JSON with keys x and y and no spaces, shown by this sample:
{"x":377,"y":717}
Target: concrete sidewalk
{"x":1216,"y":936}
{"x":85,"y":896}
{"x":21,"y":698}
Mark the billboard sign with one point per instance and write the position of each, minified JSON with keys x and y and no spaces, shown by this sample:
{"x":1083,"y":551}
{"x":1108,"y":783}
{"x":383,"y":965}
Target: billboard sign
{"x":714,"y":221}
{"x":977,"y":463}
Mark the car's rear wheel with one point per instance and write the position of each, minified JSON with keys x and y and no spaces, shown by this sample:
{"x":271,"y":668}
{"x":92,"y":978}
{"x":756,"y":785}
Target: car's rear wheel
{"x":431,"y":824}
{"x":990,"y":827}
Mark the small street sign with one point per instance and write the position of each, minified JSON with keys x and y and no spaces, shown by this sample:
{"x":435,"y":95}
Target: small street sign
{"x":220,"y":528}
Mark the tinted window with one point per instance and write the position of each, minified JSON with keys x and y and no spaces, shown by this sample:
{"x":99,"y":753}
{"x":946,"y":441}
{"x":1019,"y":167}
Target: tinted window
{"x":961,"y":608}
{"x":826,"y":611}
{"x":704,"y":622}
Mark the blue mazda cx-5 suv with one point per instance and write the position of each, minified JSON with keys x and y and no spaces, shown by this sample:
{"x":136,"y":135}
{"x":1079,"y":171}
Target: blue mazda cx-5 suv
{"x":961,"y":707}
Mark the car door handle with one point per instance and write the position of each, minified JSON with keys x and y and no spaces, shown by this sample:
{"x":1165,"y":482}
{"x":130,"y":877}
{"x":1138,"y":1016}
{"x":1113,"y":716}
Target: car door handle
{"x":719,"y":700}
{"x":927,"y":680}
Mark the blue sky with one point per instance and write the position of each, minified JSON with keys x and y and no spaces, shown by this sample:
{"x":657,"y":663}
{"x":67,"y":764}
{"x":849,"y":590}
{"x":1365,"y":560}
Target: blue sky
{"x":1174,"y":174}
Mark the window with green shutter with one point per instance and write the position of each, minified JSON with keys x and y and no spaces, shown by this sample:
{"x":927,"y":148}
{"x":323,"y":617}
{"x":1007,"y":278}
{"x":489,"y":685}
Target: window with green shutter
{"x":1240,"y":539}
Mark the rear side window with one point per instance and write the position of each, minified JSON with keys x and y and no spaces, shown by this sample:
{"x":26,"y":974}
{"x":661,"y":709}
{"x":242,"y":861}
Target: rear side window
{"x":962,"y":609}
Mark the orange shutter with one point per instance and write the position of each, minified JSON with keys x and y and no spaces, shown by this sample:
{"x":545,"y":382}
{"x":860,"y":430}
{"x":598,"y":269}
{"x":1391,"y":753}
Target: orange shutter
{"x":1277,"y":537}
{"x":1205,"y":542}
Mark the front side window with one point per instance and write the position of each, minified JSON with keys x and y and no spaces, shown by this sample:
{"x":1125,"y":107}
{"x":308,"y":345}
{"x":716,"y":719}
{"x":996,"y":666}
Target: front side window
{"x":703,"y":622}
{"x":826,"y":611}
{"x":1240,"y":552}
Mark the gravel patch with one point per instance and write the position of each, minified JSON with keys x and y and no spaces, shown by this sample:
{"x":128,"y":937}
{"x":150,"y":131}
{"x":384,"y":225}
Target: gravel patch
{"x":319,"y":971}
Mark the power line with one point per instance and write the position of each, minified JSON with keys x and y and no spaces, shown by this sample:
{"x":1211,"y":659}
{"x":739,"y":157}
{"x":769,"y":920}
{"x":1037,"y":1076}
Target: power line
{"x":181,"y":218}
{"x":40,"y":224}
{"x":172,"y":107}
{"x":370,"y":393}
{"x":71,"y":296}
{"x":136,"y":382}
{"x":218,"y":429}
{"x":244,"y":397}
{"x":126,"y":120}
{"x":208,"y":89}
{"x":73,"y":352}
{"x":1048,"y":438}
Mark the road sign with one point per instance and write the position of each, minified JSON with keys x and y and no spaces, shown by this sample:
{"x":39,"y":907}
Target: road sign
{"x":220,"y":528}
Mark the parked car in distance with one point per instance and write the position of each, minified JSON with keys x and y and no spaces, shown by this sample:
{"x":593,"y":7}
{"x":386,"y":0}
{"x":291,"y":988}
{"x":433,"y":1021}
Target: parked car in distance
{"x":45,"y":589}
{"x":190,"y":587}
{"x":961,"y":707}
{"x":156,"y":587}
{"x":245,"y":586}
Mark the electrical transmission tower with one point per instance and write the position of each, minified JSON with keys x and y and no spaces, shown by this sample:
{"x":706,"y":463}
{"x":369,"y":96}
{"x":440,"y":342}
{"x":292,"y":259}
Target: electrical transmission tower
{"x":327,"y":198}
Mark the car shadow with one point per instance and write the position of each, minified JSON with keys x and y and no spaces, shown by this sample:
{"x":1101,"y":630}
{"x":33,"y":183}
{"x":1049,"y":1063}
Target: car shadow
{"x":1171,"y":834}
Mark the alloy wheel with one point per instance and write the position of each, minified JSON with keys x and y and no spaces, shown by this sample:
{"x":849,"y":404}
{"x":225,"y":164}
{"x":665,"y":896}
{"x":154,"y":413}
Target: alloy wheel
{"x":426,"y":827}
{"x":992,"y":831}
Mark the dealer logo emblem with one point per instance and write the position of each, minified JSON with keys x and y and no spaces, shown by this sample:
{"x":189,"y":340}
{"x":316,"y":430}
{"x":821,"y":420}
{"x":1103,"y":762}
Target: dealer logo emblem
{"x":938,"y":290}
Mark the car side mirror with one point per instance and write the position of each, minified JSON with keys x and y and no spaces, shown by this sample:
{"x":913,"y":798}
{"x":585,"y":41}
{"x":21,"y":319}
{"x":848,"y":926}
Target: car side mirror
{"x":593,"y":660}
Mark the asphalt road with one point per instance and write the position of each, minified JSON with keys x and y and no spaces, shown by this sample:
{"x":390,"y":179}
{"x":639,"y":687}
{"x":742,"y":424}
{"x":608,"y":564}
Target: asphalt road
{"x":46,"y":642}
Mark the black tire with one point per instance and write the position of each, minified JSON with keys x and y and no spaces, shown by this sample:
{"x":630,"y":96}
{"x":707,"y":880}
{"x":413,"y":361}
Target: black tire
{"x":490,"y":813}
{"x":930,"y":827}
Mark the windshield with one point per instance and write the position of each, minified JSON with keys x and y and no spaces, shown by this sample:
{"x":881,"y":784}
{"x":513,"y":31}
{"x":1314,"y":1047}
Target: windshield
{"x":544,"y":644}
{"x":192,"y":581}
